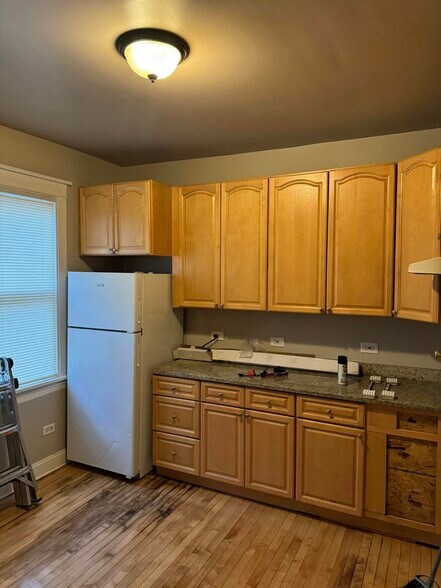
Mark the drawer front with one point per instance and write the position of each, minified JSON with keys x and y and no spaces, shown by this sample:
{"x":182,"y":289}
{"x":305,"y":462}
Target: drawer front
{"x":330,"y":411}
{"x":173,"y":415}
{"x":411,"y":496}
{"x":219,"y":394}
{"x":412,"y":455}
{"x":276,"y":402}
{"x":424,"y":423}
{"x":176,"y":453}
{"x":176,"y":387}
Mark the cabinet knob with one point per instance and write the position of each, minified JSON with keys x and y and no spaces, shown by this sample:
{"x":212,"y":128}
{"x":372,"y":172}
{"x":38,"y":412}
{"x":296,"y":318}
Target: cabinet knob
{"x":394,"y":313}
{"x":329,"y":413}
{"x":109,"y":249}
{"x":360,"y":436}
{"x":216,"y":306}
{"x":321,"y":309}
{"x":269,"y":403}
{"x":173,"y":417}
{"x":329,"y":309}
{"x":221,"y":305}
{"x":173,"y":388}
{"x":173,"y":454}
{"x":248,"y":417}
{"x":221,"y":395}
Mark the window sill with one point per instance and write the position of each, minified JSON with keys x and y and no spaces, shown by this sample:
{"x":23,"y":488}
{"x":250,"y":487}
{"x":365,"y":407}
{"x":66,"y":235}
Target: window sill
{"x":41,"y":388}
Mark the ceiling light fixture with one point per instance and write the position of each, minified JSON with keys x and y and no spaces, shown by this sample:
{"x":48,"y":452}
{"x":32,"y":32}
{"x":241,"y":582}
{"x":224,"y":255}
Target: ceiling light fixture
{"x":152,"y":53}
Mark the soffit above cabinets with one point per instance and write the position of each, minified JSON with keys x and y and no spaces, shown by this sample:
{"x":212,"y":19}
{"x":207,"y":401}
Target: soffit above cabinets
{"x":260,"y":75}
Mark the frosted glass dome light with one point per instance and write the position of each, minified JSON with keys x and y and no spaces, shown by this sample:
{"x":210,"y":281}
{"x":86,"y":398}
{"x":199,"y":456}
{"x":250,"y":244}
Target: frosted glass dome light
{"x":152,"y":53}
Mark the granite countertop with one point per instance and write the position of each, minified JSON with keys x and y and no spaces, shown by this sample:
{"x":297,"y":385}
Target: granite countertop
{"x":416,"y":394}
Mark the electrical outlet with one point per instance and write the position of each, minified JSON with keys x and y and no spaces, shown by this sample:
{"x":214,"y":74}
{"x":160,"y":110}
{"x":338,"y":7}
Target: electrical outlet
{"x":219,"y":334}
{"x":48,"y":429}
{"x":366,"y":347}
{"x":277,"y":341}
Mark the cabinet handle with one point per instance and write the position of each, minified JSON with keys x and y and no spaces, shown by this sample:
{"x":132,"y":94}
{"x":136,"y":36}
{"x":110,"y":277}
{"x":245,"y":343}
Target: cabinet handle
{"x":216,"y":306}
{"x":329,"y":309}
{"x":248,"y":417}
{"x":241,"y":415}
{"x":321,"y":309}
{"x":360,"y":436}
{"x":173,"y":454}
{"x":221,"y":305}
{"x":109,"y":249}
{"x":173,"y":417}
{"x":173,"y":388}
{"x":394,"y":313}
{"x":114,"y":250}
{"x":221,"y":395}
{"x":269,"y":403}
{"x":329,"y":413}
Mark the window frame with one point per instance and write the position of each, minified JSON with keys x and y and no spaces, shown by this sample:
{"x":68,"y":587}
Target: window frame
{"x":34,"y":185}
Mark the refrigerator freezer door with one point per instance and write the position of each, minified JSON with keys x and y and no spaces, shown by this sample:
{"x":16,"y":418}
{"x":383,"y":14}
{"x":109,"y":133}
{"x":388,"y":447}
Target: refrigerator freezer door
{"x":103,"y":399}
{"x":104,"y":301}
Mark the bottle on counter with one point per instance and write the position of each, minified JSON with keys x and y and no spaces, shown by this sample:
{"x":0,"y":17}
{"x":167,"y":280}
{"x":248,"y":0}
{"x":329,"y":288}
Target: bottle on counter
{"x":342,"y":370}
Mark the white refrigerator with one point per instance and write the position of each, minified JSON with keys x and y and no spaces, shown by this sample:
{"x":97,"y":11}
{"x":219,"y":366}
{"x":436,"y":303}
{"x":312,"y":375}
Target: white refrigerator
{"x":120,"y":326}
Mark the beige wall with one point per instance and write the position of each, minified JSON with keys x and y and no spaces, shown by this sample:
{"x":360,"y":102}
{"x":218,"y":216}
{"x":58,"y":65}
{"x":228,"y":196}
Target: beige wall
{"x":388,"y":148}
{"x":30,"y":153}
{"x":400,"y":342}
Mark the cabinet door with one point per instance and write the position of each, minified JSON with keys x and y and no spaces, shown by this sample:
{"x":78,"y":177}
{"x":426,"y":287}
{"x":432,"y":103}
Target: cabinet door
{"x":196,"y":246}
{"x":297,"y":243}
{"x":222,"y":443}
{"x":269,"y":454}
{"x":330,"y":466}
{"x":418,"y":232}
{"x":361,"y":240}
{"x":131,"y":218}
{"x":244,"y":244}
{"x":96,"y":220}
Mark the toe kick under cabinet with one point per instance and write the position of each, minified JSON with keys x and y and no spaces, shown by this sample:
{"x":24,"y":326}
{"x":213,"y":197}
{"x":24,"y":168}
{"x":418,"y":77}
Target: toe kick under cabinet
{"x":358,"y":464}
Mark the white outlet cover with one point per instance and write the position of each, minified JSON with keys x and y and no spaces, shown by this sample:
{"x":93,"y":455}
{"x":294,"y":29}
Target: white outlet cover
{"x":366,"y":347}
{"x":277,"y":341}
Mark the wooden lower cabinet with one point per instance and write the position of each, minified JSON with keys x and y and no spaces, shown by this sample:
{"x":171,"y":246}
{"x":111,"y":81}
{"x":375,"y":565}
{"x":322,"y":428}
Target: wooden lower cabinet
{"x":402,"y":457}
{"x":222,"y":443}
{"x":269,"y":453}
{"x":176,"y":453}
{"x":330,"y":466}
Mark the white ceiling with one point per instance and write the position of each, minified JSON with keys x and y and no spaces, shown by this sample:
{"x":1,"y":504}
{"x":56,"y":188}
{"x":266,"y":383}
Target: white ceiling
{"x":261,"y":74}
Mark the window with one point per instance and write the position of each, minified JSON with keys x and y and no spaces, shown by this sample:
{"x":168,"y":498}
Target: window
{"x":28,"y":287}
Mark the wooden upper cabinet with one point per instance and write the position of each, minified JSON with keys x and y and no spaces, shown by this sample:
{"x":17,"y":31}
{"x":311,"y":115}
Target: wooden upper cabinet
{"x":132,"y":218}
{"x":96,"y":220}
{"x":196,"y":246}
{"x":418,"y":235}
{"x":142,"y":213}
{"x":361,"y":240}
{"x":330,"y":466}
{"x":244,"y":228}
{"x":297,"y":243}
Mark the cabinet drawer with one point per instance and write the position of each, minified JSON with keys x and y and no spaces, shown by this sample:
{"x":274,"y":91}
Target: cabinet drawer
{"x":228,"y":395}
{"x":276,"y":402}
{"x":425,"y":423}
{"x":173,"y":415}
{"x":331,"y":411}
{"x":412,"y":455}
{"x":411,"y":496}
{"x":176,"y":453}
{"x":176,"y":387}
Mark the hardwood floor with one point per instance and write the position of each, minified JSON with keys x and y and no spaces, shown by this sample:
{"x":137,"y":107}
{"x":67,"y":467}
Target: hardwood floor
{"x":98,"y":530}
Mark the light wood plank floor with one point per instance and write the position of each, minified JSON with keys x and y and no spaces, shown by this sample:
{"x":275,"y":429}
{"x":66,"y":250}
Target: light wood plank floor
{"x":97,"y":530}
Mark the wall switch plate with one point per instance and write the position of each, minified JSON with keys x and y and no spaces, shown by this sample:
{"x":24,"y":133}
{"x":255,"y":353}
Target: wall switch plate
{"x":48,"y":429}
{"x":219,"y":334}
{"x":366,"y":347}
{"x":277,"y":341}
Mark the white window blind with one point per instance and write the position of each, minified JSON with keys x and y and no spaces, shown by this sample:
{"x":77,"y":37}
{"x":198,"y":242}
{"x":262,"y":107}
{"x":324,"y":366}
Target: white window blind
{"x":28,"y":286}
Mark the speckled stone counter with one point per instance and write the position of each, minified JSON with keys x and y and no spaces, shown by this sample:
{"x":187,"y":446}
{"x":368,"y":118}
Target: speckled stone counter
{"x":416,"y":394}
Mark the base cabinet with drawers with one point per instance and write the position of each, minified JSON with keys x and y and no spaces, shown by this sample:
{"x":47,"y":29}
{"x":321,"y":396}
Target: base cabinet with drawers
{"x":359,"y":464}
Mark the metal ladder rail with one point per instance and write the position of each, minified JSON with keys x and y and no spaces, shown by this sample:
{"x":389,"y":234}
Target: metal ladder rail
{"x":20,"y":473}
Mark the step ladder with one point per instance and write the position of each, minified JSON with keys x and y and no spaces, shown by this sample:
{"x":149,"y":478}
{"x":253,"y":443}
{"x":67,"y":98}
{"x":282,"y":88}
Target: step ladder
{"x":18,"y":470}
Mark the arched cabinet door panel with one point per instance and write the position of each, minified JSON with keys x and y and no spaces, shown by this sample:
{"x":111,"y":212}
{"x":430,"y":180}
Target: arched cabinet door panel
{"x":298,"y":207}
{"x":244,"y":226}
{"x":361,"y":240}
{"x":196,"y":246}
{"x":418,"y":235}
{"x":96,"y":220}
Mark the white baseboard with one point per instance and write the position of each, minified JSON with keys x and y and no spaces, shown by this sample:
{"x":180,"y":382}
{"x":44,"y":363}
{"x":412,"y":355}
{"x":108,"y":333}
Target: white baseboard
{"x":41,"y":468}
{"x":49,"y":464}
